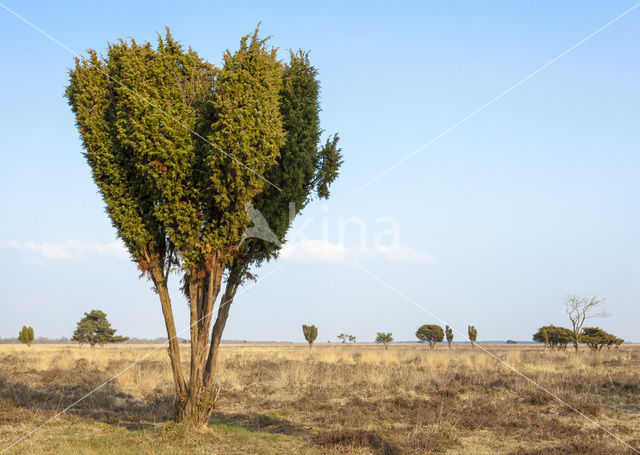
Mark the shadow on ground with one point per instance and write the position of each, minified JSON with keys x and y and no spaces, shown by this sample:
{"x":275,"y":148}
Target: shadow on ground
{"x":259,"y":423}
{"x":106,"y":404}
{"x":110,"y":405}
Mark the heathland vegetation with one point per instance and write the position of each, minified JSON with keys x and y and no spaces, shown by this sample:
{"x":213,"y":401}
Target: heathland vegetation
{"x":333,"y":399}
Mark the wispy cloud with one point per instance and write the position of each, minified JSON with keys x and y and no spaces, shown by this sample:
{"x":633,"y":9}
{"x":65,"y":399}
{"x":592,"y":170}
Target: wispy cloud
{"x":323,"y":251}
{"x":38,"y":253}
{"x":307,"y":251}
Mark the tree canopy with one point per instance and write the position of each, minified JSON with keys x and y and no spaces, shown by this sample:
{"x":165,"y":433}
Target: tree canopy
{"x":448,"y":331}
{"x":310,"y":333}
{"x":26,"y":335}
{"x":554,"y":337}
{"x":472,"y":333}
{"x":384,"y":338}
{"x":94,"y":328}
{"x":430,"y":333}
{"x":597,"y":338}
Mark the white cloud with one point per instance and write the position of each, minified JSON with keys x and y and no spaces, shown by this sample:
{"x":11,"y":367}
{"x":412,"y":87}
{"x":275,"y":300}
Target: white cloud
{"x":37,"y":252}
{"x":307,"y":251}
{"x":323,"y":251}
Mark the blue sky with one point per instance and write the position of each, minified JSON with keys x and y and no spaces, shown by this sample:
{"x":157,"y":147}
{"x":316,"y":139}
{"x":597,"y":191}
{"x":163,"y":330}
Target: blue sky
{"x":533,"y":198}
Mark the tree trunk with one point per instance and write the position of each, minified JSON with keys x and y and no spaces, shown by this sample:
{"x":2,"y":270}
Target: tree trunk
{"x":197,"y":408}
{"x":233,"y":283}
{"x":160,"y":283}
{"x":203,"y":290}
{"x":196,"y":399}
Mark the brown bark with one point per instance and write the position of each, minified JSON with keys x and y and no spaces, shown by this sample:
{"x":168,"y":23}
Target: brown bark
{"x":160,"y":283}
{"x":203,"y":290}
{"x":196,"y":399}
{"x":233,"y":283}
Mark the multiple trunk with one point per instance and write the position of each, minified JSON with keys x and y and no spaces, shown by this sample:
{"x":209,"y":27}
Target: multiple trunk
{"x":196,"y":398}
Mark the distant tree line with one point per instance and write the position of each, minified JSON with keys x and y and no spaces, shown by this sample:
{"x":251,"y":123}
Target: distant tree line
{"x":94,"y":328}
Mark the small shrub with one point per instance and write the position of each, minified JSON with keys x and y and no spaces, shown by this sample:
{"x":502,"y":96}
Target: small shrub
{"x":310,"y":333}
{"x":430,"y":333}
{"x":26,"y":335}
{"x":384,"y":338}
{"x":473,"y":335}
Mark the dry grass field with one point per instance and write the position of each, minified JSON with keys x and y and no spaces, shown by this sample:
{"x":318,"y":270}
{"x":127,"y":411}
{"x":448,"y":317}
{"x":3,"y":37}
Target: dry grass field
{"x":333,"y":399}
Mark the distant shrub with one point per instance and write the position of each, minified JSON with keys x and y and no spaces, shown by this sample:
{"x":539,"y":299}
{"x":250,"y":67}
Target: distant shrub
{"x":384,"y":338}
{"x":512,"y":342}
{"x":554,"y":337}
{"x":344,"y":337}
{"x":448,"y":331}
{"x":310,"y":333}
{"x":430,"y":333}
{"x":26,"y":335}
{"x":473,"y":335}
{"x":94,"y":328}
{"x":597,"y":338}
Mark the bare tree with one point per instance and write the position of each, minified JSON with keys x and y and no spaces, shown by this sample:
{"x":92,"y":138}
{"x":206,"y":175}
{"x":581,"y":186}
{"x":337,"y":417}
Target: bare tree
{"x":579,"y":310}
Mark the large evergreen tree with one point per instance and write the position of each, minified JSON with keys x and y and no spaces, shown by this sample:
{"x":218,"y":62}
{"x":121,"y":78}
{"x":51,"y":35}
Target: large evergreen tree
{"x":179,"y":149}
{"x":94,"y":328}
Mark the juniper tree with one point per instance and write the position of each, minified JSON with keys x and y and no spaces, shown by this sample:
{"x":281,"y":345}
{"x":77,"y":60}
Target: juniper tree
{"x":384,"y":338}
{"x":178,"y":148}
{"x":597,"y":338}
{"x":448,"y":331}
{"x":554,"y":337}
{"x":26,"y":335}
{"x":430,"y":333}
{"x":94,"y":328}
{"x":310,"y":333}
{"x":473,"y":335}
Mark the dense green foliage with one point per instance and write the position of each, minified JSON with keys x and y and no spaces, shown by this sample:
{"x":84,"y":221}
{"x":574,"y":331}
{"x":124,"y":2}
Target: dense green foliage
{"x":94,"y":328}
{"x":597,"y":338}
{"x":310,"y":333}
{"x":554,"y":337}
{"x":560,"y":337}
{"x":304,"y":170}
{"x":430,"y":333}
{"x":165,"y":189}
{"x":472,"y":333}
{"x":384,"y":338}
{"x":448,"y":332}
{"x":26,"y":335}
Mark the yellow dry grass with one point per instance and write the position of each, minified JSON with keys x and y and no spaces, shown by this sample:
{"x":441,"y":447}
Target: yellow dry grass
{"x":344,"y":398}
